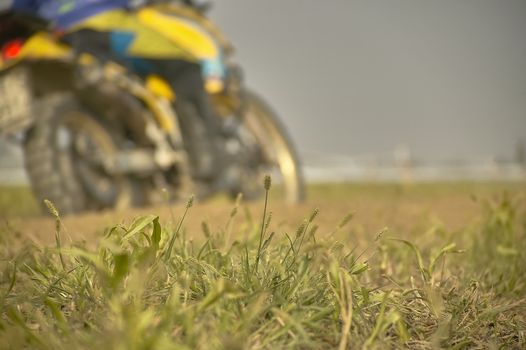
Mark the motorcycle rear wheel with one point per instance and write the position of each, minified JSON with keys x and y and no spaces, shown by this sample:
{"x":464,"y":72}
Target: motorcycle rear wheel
{"x":280,"y":158}
{"x":73,"y":180}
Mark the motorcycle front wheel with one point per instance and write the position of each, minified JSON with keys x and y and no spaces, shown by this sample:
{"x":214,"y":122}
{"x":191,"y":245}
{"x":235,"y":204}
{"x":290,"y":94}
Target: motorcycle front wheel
{"x":279,"y":157}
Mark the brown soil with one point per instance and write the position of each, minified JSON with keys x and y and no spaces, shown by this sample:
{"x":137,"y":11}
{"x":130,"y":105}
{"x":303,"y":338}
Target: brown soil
{"x":404,"y":209}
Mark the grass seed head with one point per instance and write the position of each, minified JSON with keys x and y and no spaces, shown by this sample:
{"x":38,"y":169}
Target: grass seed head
{"x":206,"y":229}
{"x":301,"y":228}
{"x":381,"y":233}
{"x":190,"y":202}
{"x":314,"y":214}
{"x":239,"y":198}
{"x":51,"y":207}
{"x":233,"y":212}
{"x":346,"y":220}
{"x":267,"y":182}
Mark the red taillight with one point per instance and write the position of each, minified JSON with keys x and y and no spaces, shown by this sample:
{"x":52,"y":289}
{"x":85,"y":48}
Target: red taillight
{"x":12,"y":49}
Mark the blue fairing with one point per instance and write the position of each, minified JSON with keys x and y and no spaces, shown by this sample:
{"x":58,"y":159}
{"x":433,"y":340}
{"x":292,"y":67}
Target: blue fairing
{"x":119,"y":43}
{"x":65,"y":13}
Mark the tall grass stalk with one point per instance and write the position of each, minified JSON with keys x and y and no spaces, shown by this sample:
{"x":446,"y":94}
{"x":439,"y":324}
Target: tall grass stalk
{"x":168,"y":252}
{"x":58,"y":225}
{"x":267,"y":182}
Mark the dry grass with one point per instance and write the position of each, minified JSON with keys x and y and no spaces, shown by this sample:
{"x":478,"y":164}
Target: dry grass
{"x":421,"y":267}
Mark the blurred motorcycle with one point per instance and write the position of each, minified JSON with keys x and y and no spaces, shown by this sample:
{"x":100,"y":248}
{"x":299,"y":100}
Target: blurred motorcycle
{"x":97,"y":136}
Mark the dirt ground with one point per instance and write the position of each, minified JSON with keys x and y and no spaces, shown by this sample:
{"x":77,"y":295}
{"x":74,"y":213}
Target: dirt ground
{"x":405,"y":210}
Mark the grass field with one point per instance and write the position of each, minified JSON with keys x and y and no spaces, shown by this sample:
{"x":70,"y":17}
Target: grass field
{"x":357,"y":266}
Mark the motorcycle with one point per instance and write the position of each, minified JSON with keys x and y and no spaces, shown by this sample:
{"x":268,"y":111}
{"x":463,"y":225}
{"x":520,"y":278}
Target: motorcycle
{"x":95,"y":135}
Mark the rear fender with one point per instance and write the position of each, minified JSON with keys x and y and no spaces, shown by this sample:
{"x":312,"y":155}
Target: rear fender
{"x":40,"y":46}
{"x":44,"y":46}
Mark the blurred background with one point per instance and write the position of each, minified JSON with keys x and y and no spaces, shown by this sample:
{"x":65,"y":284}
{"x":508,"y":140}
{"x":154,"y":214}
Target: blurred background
{"x":384,"y":90}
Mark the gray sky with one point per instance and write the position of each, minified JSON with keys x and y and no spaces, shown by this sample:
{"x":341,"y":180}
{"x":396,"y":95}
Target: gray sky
{"x":447,"y":78}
